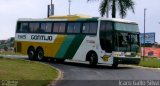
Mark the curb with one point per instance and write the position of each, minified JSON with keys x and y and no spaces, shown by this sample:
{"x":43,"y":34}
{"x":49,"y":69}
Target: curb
{"x":59,"y":77}
{"x":13,"y":56}
{"x":142,"y":67}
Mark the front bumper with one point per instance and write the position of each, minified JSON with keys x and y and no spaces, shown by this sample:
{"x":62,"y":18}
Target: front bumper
{"x":120,"y":60}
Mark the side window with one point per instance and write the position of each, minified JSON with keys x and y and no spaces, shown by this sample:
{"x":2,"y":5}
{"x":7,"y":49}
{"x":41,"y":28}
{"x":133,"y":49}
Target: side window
{"x":46,"y":27}
{"x":70,"y":28}
{"x":43,"y":27}
{"x":77,"y":27}
{"x":93,"y":28}
{"x":74,"y":28}
{"x":59,"y":27}
{"x":56,"y":27}
{"x":90,"y":28}
{"x":85,"y":28}
{"x":34,"y":27}
{"x":62,"y":27}
{"x":22,"y":27}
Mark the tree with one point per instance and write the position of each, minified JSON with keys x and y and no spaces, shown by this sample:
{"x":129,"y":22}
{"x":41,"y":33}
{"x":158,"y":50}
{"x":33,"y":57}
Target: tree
{"x":5,"y":48}
{"x":112,"y":5}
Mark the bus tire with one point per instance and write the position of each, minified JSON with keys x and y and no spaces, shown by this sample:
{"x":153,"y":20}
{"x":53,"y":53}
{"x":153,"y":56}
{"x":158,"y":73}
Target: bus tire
{"x":115,"y":65}
{"x":93,"y":60}
{"x":40,"y":54}
{"x":31,"y":53}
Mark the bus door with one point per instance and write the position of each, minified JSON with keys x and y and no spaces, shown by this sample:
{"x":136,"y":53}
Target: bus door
{"x":106,"y":35}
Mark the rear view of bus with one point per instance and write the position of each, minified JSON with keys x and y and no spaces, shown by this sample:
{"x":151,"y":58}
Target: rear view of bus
{"x":120,"y":40}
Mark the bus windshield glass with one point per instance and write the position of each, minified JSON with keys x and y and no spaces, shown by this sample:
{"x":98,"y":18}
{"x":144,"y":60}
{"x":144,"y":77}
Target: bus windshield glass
{"x":126,"y":37}
{"x":129,"y":27}
{"x":116,"y":36}
{"x":126,"y":42}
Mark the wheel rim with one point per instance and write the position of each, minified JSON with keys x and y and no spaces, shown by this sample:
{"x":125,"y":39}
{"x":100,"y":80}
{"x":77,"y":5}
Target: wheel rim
{"x":31,"y":54}
{"x":40,"y":55}
{"x":91,"y":59}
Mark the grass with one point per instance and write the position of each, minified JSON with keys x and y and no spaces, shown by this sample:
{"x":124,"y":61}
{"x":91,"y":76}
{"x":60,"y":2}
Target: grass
{"x":26,"y":73}
{"x":150,"y":62}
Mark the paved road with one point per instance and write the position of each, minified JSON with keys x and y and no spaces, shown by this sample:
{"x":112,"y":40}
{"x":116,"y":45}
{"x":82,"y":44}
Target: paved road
{"x":78,"y":74}
{"x":78,"y":71}
{"x":81,"y":74}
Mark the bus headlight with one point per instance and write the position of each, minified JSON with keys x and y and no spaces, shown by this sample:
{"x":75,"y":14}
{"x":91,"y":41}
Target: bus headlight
{"x":118,"y":54}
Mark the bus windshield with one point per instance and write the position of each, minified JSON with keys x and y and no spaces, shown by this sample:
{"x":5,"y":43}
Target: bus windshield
{"x":126,"y":42}
{"x":121,"y":37}
{"x":129,"y":27}
{"x":126,"y":37}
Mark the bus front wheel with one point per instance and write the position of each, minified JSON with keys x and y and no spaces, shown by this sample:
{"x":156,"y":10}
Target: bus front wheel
{"x":93,"y":59}
{"x":114,"y":65}
{"x":31,"y":53}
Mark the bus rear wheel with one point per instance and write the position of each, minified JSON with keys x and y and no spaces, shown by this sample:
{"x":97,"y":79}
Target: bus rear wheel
{"x":93,"y":59}
{"x":40,"y":54}
{"x":31,"y":53}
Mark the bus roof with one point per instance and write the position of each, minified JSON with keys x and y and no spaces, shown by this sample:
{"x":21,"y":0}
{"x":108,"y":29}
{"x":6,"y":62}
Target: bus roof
{"x":77,"y":18}
{"x":40,"y":19}
{"x":72,"y":17}
{"x":118,"y":20}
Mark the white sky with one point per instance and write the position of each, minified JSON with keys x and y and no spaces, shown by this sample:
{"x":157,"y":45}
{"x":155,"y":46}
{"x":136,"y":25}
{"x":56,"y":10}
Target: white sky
{"x":11,"y":10}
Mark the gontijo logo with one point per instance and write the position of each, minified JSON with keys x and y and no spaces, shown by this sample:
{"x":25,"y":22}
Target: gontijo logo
{"x":41,"y":37}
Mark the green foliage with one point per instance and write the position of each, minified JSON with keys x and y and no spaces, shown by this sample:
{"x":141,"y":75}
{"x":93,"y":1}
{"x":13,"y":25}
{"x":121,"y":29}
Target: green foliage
{"x":5,"y":48}
{"x":116,"y":5}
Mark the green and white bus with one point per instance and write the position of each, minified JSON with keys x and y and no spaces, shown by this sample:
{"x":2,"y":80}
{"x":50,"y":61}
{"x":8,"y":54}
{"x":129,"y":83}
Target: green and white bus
{"x":93,"y":39}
